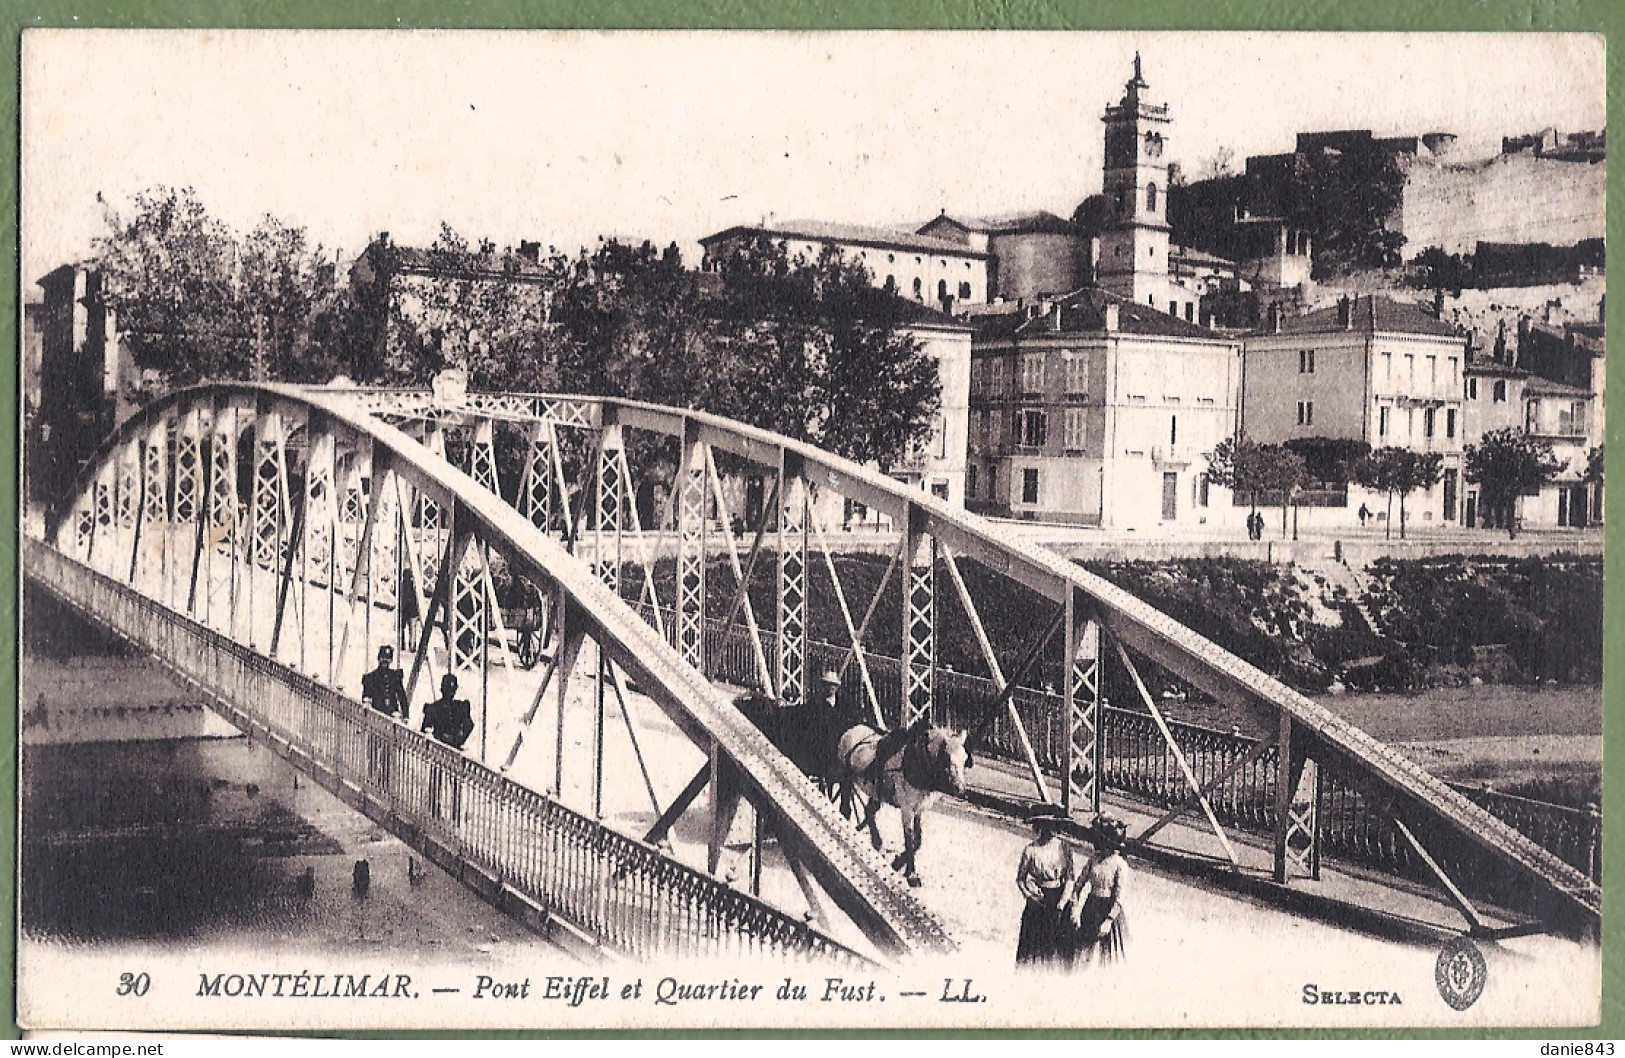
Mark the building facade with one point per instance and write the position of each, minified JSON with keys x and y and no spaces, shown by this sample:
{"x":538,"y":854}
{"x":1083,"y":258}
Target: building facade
{"x":923,"y":268}
{"x":1500,"y":397}
{"x":1368,"y":369}
{"x":1092,"y":409}
{"x":1033,"y":254}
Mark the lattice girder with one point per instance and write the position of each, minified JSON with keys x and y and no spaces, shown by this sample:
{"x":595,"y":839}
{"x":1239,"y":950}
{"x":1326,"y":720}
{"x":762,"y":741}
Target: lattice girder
{"x":1082,"y":790}
{"x":693,"y":491}
{"x":792,"y":593}
{"x":919,"y":625}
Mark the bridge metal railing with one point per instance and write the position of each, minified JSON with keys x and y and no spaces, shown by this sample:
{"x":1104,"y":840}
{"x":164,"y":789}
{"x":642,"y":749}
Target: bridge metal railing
{"x":1136,"y":761}
{"x":516,"y":845}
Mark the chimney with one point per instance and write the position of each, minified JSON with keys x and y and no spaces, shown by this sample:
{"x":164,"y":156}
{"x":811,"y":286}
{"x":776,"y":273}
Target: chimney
{"x":1113,"y":316}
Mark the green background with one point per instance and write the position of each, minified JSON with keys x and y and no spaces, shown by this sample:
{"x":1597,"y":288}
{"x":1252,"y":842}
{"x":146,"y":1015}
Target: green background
{"x":1319,"y":15}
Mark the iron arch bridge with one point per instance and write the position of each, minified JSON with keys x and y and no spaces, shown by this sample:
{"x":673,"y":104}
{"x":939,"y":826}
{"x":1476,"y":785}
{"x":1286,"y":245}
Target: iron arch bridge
{"x":262,"y":541}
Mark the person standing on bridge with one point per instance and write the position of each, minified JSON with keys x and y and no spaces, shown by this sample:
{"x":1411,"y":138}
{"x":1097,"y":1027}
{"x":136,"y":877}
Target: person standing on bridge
{"x":1044,"y":878}
{"x":449,"y":719}
{"x":1097,"y":900}
{"x":383,"y":688}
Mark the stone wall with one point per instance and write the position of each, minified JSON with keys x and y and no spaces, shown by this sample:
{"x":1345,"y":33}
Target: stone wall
{"x":1507,"y":199}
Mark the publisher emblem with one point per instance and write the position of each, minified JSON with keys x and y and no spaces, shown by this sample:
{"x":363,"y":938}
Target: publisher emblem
{"x":1460,"y":973}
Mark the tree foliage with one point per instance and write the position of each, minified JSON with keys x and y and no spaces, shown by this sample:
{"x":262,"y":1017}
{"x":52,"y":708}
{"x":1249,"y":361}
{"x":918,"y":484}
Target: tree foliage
{"x":1506,"y":464}
{"x":197,"y":300}
{"x":1346,"y":198}
{"x":806,"y":347}
{"x":1398,"y":472}
{"x":1329,"y":460}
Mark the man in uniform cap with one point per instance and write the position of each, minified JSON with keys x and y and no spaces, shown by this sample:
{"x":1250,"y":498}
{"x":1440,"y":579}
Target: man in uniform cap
{"x":383,"y":688}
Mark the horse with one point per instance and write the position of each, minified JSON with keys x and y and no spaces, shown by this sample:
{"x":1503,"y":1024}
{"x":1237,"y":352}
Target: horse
{"x":907,"y":768}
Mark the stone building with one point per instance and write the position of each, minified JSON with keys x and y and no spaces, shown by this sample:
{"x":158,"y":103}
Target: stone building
{"x":1032,"y":254}
{"x":929,"y":270}
{"x":1499,"y":397}
{"x":1093,"y":409}
{"x":1368,"y":369}
{"x":407,"y":283}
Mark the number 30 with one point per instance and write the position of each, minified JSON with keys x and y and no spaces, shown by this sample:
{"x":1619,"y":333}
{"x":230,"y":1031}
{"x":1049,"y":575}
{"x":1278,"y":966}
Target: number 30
{"x":133,"y":984}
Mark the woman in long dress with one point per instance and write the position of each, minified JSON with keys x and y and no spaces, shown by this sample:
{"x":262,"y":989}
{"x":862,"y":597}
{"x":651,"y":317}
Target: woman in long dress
{"x":1044,"y":878}
{"x":1097,"y":918}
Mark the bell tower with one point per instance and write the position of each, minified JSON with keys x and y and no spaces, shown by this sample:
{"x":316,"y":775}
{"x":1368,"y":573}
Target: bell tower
{"x":1134,"y":244}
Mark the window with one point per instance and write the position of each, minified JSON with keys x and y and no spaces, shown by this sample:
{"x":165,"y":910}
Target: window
{"x":995,"y":377}
{"x":1382,"y":422}
{"x":1455,"y":374}
{"x":1306,"y":413}
{"x":1033,"y":426}
{"x":1306,"y":361}
{"x":891,"y":283}
{"x":1029,"y":485}
{"x":1387,"y":368}
{"x":939,"y":433}
{"x":918,"y":288}
{"x":1500,"y":391}
{"x":1410,"y":423}
{"x":1428,"y":418}
{"x":993,"y":481}
{"x":1410,"y":373}
{"x":942,"y":290}
{"x":1450,"y":422}
{"x":1201,"y":490}
{"x":1151,"y":197}
{"x":1077,"y":376}
{"x":970,"y":481}
{"x":964,"y":292}
{"x":1190,"y":312}
{"x":1077,"y":429}
{"x":1173,"y":430}
{"x":1472,"y":389}
{"x":1433,"y":374}
{"x":1032,"y":373}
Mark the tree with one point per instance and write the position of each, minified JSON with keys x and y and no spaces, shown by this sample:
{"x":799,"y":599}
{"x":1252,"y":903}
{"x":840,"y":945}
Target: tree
{"x":1241,"y":466}
{"x":1346,"y":199}
{"x":1594,"y":466}
{"x":1283,"y":473}
{"x":196,"y":300}
{"x":1507,"y":464}
{"x":1398,"y":472}
{"x":1329,"y":460}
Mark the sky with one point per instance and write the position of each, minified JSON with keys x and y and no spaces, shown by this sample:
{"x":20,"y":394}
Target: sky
{"x":568,"y":137}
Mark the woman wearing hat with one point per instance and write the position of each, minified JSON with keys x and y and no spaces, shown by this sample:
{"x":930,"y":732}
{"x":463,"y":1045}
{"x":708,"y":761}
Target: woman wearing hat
{"x":1097,"y":902}
{"x":1044,"y":878}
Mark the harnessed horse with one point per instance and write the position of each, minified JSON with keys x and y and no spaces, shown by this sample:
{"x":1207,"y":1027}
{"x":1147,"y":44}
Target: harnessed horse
{"x":907,"y":768}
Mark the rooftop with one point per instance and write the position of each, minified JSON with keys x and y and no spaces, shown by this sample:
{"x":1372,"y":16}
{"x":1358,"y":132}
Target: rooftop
{"x":1374,"y":314}
{"x":851,"y":234}
{"x":1028,"y":222}
{"x":1084,"y":312}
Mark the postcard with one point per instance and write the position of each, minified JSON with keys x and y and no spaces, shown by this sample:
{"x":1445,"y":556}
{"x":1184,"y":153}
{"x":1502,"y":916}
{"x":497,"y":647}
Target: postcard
{"x":863,"y":530}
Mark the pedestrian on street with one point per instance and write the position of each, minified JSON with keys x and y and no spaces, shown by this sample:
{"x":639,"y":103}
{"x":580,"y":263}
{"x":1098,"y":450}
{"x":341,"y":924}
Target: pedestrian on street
{"x":830,"y":685}
{"x":1045,"y":877}
{"x":1097,"y":901}
{"x":383,"y":688}
{"x":1365,"y":513}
